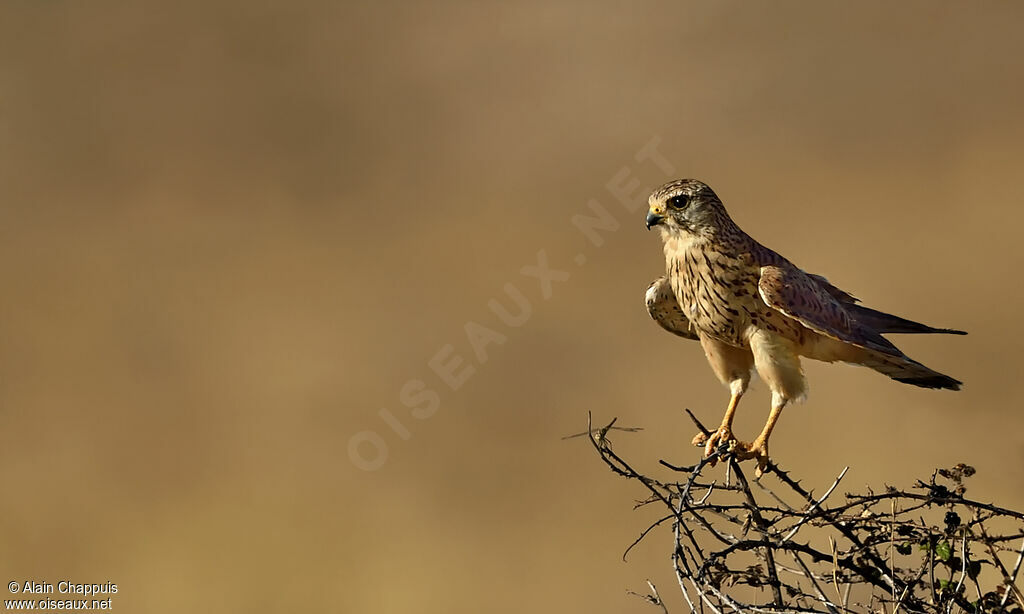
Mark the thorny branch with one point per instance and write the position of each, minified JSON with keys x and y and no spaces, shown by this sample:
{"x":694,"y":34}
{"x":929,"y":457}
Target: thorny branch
{"x":929,"y":550}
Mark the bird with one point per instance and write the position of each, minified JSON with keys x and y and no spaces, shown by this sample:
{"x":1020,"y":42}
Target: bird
{"x":751,"y":309}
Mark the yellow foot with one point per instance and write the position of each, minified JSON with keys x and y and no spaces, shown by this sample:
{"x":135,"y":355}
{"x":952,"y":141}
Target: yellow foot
{"x":758,"y":449}
{"x":714,"y":440}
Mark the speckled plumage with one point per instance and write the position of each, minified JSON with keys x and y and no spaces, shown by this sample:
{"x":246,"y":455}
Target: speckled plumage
{"x":752,"y":308}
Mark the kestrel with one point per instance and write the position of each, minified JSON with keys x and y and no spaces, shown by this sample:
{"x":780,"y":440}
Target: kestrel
{"x":750,"y":308}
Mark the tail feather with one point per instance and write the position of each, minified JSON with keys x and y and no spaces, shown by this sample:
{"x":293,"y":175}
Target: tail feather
{"x":887,"y":323}
{"x":937,"y":381}
{"x":908,"y":371}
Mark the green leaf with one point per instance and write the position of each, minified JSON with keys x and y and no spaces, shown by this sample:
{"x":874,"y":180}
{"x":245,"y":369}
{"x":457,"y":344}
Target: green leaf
{"x":943,"y":551}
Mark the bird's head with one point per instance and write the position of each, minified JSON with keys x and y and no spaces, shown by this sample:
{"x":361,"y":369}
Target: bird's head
{"x":685,"y":206}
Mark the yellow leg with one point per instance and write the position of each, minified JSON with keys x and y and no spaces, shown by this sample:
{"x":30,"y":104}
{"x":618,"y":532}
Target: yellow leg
{"x":724,"y":432}
{"x":730,"y":412}
{"x":759,"y":447}
{"x":766,"y":432}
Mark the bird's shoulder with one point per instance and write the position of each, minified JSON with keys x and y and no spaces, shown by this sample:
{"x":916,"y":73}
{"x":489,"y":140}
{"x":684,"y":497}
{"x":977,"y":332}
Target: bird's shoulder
{"x":779,"y":268}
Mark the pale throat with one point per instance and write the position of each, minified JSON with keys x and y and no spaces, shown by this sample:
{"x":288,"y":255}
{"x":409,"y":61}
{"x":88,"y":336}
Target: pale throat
{"x":677,"y":243}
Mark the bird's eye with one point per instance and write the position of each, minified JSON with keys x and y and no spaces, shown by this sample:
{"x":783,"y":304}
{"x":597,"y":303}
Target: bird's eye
{"x":679,"y":201}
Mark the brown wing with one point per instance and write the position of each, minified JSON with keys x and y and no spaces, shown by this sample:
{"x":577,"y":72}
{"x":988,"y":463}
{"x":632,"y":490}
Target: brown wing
{"x":841,"y":295}
{"x":665,"y":309}
{"x":875,"y":320}
{"x":802,"y":297}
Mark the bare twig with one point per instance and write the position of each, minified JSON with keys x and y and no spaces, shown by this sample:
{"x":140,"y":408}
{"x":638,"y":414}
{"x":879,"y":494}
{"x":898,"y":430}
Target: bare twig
{"x":762,"y":526}
{"x":700,"y":426}
{"x":814,"y":506}
{"x":719,"y":528}
{"x":817,"y":589}
{"x":653,"y":597}
{"x":1012,"y":582}
{"x":963,"y":572}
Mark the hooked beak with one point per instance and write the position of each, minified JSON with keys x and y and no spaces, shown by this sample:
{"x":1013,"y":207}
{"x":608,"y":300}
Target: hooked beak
{"x":653,"y":219}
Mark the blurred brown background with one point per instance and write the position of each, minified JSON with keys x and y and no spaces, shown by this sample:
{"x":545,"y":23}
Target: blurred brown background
{"x":230,"y":234}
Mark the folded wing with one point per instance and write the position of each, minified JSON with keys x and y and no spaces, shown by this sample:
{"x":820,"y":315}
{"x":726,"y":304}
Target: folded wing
{"x":804,"y":298}
{"x":665,"y":309}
